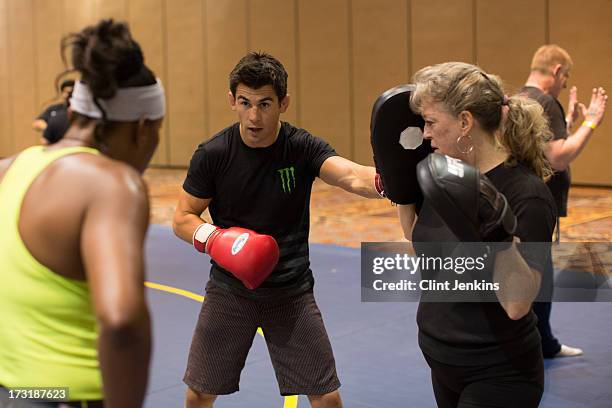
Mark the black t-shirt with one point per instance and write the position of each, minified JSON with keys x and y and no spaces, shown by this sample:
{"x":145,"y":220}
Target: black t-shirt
{"x":463,"y":333}
{"x":559,"y":183}
{"x":266,"y":190}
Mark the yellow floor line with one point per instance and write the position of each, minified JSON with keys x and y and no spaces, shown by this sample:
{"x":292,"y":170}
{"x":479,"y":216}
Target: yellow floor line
{"x":176,"y":291}
{"x":290,"y":401}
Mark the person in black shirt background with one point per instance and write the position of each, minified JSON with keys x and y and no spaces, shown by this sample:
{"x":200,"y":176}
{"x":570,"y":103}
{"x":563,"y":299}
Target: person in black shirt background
{"x":257,"y":174}
{"x":53,"y":121}
{"x":550,"y":70}
{"x":486,"y":353}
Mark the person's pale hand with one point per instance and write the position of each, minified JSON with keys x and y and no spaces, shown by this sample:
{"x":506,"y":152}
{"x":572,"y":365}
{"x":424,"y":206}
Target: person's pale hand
{"x":574,"y":108}
{"x":597,"y":107}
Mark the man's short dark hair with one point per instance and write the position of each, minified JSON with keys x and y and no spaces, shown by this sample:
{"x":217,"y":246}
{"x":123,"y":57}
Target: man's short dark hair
{"x":257,"y":69}
{"x":66,"y":84}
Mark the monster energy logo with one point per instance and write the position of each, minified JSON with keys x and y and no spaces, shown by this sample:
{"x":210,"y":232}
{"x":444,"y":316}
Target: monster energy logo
{"x":287,"y":176}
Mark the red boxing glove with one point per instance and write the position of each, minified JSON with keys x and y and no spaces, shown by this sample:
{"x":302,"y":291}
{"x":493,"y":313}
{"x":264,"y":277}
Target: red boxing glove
{"x":249,"y":256}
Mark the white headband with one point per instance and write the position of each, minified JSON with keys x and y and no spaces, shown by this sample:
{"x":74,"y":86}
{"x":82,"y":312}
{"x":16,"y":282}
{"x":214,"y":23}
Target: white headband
{"x":128,"y":104}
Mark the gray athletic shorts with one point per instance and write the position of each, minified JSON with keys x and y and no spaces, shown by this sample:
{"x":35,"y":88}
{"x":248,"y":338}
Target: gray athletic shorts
{"x":297,"y":341}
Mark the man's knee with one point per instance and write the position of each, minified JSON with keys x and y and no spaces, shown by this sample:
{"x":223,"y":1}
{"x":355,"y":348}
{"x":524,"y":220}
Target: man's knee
{"x":195,"y":399}
{"x":329,"y":400}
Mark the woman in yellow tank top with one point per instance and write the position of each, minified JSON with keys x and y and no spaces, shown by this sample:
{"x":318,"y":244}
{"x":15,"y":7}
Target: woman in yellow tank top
{"x":73,"y":220}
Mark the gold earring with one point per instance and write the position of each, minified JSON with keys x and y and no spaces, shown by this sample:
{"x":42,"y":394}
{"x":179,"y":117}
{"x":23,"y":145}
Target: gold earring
{"x":465,"y":148}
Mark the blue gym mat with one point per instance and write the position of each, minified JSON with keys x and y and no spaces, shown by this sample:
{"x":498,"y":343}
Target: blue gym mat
{"x":375,"y":344}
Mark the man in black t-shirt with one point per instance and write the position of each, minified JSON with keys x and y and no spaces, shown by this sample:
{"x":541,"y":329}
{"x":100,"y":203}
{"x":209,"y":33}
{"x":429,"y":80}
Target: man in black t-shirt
{"x":53,"y":121}
{"x":257,"y":174}
{"x":550,"y":70}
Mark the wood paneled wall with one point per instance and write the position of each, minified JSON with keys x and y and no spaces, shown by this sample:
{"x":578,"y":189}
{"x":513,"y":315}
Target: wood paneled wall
{"x":340,"y":55}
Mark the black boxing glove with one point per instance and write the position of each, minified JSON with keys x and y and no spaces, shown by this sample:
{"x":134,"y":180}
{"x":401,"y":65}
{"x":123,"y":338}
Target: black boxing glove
{"x":466,"y":200}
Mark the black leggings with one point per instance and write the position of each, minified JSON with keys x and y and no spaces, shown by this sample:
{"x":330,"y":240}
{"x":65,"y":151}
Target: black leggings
{"x":550,"y":344}
{"x":518,"y":383}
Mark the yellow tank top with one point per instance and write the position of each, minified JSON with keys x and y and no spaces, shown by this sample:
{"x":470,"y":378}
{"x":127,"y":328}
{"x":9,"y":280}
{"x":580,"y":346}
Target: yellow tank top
{"x":47,"y":323}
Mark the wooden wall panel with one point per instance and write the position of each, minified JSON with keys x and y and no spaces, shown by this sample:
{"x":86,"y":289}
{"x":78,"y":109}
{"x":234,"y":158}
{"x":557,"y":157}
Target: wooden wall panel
{"x":272,"y":29}
{"x":48,"y":32}
{"x":6,"y":139}
{"x":22,"y":72}
{"x":78,"y":14}
{"x":507,"y":35}
{"x":379,"y":60}
{"x":226,"y":43}
{"x":185,"y":85}
{"x":585,"y":32}
{"x":146,"y":18}
{"x":115,"y":9}
{"x":325,"y":81}
{"x":442,"y":31}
